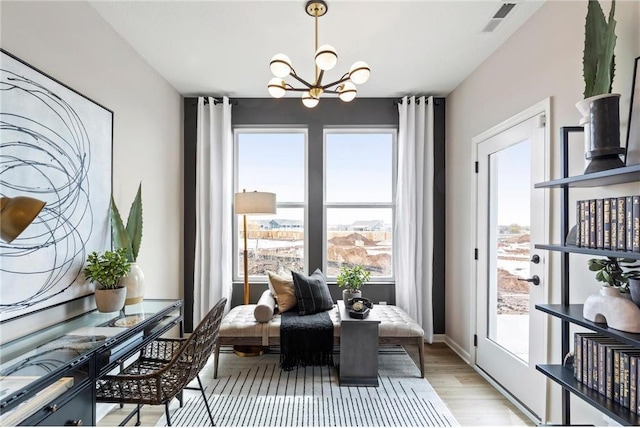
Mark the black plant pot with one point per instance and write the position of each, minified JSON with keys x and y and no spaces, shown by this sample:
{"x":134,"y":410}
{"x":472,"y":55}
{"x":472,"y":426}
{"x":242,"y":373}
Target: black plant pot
{"x":604,"y":118}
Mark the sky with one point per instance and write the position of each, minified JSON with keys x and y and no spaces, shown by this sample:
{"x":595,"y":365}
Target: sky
{"x":359,"y":168}
{"x":514,"y":176}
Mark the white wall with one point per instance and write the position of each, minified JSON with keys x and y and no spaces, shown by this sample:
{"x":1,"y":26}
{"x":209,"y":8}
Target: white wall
{"x":72,"y":43}
{"x":542,"y":59}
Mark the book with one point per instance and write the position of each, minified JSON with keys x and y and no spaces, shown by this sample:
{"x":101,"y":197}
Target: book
{"x":622,"y":224}
{"x":600,"y":223}
{"x":578,"y":225}
{"x":592,"y":223}
{"x":609,"y":368}
{"x":636,"y":224}
{"x":577,"y":356}
{"x":625,"y":373}
{"x":629,"y":217}
{"x":584,"y":221}
{"x":614,"y":223}
{"x":602,"y":346}
{"x":606,"y":224}
{"x":633,"y":383}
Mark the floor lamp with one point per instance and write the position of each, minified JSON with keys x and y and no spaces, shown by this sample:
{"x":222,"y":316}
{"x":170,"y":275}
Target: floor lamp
{"x":16,"y":214}
{"x":251,"y":203}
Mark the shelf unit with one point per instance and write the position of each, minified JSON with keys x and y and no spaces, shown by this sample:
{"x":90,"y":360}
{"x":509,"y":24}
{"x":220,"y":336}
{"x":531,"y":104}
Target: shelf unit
{"x":572,"y":313}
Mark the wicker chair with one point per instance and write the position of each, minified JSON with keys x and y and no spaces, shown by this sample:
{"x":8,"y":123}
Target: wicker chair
{"x":165,"y":367}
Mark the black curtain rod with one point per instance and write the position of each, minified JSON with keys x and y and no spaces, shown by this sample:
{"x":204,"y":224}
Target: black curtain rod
{"x":217,"y":101}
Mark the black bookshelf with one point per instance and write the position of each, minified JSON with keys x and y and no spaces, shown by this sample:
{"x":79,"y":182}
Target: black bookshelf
{"x":591,"y":251}
{"x":609,"y":177}
{"x":564,"y":376}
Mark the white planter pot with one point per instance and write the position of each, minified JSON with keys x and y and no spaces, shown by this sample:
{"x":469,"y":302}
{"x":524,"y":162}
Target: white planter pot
{"x":111,"y":300}
{"x":348,"y":294}
{"x":134,"y":283}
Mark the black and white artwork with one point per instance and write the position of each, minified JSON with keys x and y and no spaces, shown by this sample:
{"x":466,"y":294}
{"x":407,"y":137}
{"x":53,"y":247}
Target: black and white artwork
{"x":633,"y":132}
{"x":56,"y":146}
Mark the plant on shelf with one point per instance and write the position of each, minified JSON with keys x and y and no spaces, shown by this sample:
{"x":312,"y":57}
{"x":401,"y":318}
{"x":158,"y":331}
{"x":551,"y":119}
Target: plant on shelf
{"x":612,"y":271}
{"x":107,"y":269}
{"x":129,"y":237}
{"x":598,"y":61}
{"x":353,"y":278}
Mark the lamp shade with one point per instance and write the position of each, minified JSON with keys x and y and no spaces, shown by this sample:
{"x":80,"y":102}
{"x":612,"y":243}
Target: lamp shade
{"x":359,"y":72}
{"x":255,"y":203}
{"x":280,"y":65}
{"x":326,"y":57}
{"x":277,"y":87}
{"x":348,"y":92}
{"x":309,"y":101}
{"x":16,"y":214}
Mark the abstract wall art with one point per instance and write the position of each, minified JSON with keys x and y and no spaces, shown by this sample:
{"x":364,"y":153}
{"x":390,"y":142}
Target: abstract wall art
{"x":56,"y":146}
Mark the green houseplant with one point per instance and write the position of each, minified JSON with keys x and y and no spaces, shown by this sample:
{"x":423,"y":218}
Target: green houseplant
{"x":612,"y":271}
{"x":129,"y":239}
{"x":352,"y":279}
{"x":107,"y":270}
{"x":600,"y":108}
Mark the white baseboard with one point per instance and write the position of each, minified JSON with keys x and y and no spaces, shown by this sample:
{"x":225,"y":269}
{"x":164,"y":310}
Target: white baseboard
{"x":439,"y":338}
{"x":466,"y":357}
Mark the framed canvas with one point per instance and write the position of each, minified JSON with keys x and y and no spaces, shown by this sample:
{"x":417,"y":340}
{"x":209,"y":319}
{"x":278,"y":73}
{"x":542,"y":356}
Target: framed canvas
{"x":632,"y":156}
{"x":56,"y":146}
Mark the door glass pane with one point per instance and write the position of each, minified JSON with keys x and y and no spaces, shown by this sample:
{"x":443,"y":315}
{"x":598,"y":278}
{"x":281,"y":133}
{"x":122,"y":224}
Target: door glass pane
{"x":509,"y":248}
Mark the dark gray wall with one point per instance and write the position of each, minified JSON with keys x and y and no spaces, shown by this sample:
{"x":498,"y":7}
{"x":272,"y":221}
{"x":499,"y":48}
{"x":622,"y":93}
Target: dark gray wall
{"x":330,"y":112}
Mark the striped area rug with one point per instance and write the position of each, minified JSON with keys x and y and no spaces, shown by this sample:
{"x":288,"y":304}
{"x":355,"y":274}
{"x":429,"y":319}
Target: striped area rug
{"x":254,"y":392}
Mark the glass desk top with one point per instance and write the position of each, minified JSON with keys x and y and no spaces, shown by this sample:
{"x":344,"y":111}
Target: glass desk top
{"x":42,"y":354}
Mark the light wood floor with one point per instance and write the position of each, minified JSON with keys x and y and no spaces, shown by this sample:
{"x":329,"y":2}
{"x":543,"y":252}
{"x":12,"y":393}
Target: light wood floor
{"x":471,"y":399}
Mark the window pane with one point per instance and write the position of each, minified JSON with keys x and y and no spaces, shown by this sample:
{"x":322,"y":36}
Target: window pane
{"x":272,"y":162}
{"x":360,"y":236}
{"x":274,"y":242}
{"x":359,"y":167}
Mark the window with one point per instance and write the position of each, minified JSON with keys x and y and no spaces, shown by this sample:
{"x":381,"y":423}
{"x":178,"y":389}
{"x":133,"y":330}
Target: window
{"x":272,"y":161}
{"x":359,"y":200}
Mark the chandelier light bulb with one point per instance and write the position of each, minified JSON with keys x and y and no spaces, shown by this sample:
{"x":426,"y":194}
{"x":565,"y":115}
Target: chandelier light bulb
{"x":309,"y":101}
{"x":280,"y":65}
{"x":359,"y":72}
{"x":347,"y":91}
{"x":326,"y":57}
{"x":277,"y":87}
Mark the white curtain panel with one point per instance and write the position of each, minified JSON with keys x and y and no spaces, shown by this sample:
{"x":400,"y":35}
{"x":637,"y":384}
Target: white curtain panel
{"x":214,"y":193}
{"x":414,"y":211}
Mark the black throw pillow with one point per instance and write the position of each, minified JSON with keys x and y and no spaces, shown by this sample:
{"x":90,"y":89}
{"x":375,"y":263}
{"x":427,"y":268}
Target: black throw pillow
{"x":312,"y":293}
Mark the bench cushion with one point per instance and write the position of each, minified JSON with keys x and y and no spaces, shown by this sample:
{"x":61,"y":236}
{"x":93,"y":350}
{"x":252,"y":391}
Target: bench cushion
{"x":240,"y":322}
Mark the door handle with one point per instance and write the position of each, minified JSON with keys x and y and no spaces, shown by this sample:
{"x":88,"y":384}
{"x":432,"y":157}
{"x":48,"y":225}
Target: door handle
{"x":535,"y":279}
{"x":535,"y":259}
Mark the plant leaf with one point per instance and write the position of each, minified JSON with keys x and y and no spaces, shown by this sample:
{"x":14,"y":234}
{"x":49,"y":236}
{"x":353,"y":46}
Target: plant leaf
{"x":118,"y":232}
{"x":604,"y":77}
{"x":134,"y":224}
{"x":594,"y":27}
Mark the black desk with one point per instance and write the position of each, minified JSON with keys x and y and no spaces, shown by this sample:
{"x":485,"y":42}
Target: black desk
{"x":48,"y":377}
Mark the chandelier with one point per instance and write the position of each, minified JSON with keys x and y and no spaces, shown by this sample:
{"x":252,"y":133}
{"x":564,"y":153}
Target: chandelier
{"x":325,"y":59}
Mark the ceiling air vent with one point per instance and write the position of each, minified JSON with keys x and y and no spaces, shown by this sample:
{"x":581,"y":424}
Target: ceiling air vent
{"x":498,"y":17}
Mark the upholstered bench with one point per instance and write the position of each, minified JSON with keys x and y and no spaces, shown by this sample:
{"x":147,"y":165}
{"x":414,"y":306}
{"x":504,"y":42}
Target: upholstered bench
{"x":240,"y":327}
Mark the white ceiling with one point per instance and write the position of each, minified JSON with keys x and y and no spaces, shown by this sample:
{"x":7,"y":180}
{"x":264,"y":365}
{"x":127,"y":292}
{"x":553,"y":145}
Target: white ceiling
{"x":224,"y":47}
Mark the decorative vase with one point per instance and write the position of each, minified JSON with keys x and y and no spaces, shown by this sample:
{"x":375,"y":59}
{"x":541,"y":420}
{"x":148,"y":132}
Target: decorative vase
{"x":110,"y":300}
{"x":601,"y":122}
{"x":634,"y":288}
{"x":349,"y":294}
{"x":134,"y":283}
{"x":609,"y":307}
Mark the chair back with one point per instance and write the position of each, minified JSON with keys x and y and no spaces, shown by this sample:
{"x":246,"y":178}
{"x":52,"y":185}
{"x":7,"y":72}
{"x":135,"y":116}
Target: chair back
{"x":195,"y":351}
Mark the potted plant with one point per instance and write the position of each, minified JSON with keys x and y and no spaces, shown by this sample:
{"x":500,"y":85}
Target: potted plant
{"x":600,"y":108}
{"x":129,"y":238}
{"x":352,"y":279}
{"x":612,"y":272}
{"x":107,"y":270}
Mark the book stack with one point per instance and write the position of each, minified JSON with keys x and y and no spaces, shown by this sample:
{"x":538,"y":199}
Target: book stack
{"x":609,"y":367}
{"x":609,"y":223}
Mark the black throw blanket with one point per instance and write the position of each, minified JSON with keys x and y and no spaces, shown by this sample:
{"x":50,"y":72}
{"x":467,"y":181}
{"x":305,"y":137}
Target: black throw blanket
{"x":305,"y":340}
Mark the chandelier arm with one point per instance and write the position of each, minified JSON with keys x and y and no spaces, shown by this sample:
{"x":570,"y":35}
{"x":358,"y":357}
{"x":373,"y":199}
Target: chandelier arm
{"x":301,"y":80}
{"x":292,"y":89}
{"x":337,"y":82}
{"x":319,"y":77}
